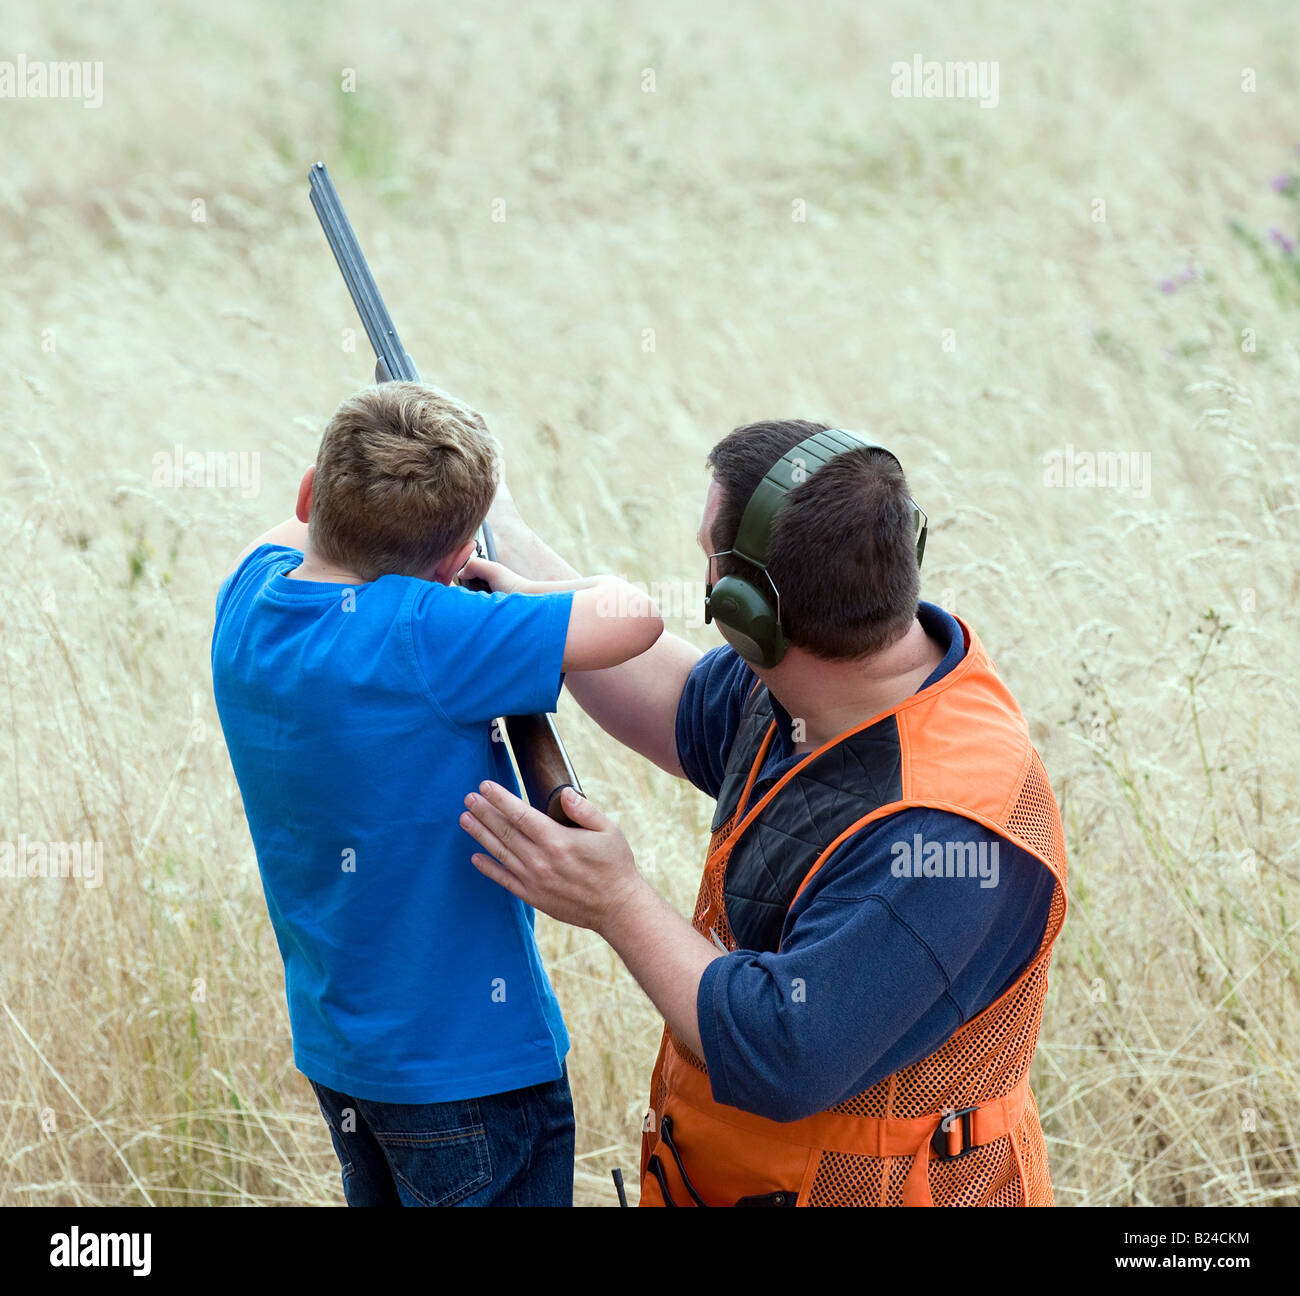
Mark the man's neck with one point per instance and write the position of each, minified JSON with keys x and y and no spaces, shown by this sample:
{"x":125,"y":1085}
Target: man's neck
{"x":826,"y":698}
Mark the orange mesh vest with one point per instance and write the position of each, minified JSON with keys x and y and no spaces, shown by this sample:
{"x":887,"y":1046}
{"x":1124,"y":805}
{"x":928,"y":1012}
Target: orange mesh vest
{"x":959,"y":1127}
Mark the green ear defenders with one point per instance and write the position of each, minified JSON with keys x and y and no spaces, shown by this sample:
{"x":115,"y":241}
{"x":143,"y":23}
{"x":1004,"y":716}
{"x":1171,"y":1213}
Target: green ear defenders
{"x":747,"y":613}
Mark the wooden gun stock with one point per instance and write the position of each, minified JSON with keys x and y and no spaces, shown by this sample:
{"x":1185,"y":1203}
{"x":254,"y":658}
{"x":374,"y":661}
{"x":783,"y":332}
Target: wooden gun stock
{"x":544,"y":766}
{"x":534,"y":741}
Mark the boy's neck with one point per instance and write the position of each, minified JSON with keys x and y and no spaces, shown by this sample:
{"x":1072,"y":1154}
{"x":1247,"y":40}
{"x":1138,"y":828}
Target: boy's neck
{"x":315,"y":568}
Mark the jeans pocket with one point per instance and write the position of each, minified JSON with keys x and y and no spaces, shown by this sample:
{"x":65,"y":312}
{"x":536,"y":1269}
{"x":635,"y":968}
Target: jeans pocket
{"x":439,"y":1153}
{"x":341,"y":1149}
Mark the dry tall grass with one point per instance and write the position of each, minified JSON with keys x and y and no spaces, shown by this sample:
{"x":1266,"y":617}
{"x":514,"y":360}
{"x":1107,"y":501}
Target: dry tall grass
{"x":144,"y":1051}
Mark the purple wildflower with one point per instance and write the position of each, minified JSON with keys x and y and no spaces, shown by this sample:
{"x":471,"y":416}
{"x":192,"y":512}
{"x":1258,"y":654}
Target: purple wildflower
{"x":1287,"y":245}
{"x":1168,"y":286}
{"x":1281,"y":183}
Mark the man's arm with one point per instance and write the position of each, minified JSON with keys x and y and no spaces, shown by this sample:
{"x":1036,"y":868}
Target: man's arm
{"x":791,"y":1032}
{"x":786,"y":1034}
{"x":586,"y":876}
{"x":636,"y":702}
{"x":665,"y":955}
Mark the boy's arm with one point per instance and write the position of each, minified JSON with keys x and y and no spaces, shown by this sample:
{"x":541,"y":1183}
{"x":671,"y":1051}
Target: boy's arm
{"x":635,"y":702}
{"x":292,"y":534}
{"x":610,"y":621}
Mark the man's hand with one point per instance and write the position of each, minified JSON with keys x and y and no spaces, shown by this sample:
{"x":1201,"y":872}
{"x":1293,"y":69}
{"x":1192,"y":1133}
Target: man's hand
{"x":582,"y":876}
{"x":586,"y":876}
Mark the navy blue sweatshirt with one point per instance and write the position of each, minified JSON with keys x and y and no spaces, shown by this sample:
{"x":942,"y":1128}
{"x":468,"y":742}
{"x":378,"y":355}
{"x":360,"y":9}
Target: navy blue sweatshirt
{"x":876,"y":969}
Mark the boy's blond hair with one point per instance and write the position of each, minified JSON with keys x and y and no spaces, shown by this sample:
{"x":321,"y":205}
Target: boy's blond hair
{"x":405,"y":475}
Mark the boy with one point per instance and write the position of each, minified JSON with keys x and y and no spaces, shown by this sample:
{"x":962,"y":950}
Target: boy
{"x":357,"y":686}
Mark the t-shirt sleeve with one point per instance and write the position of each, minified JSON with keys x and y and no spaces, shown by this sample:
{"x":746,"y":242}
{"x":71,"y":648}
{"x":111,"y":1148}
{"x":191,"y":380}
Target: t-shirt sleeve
{"x":252,"y":572}
{"x":708,"y":716}
{"x":875,"y":971}
{"x":487,"y":655}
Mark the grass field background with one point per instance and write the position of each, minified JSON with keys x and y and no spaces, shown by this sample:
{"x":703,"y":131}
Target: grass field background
{"x":1149,"y":635}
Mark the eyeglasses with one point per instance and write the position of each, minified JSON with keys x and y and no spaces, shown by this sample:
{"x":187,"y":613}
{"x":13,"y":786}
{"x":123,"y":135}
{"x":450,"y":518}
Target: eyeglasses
{"x":922,"y":520}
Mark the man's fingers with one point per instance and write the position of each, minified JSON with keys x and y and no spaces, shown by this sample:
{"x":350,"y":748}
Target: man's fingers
{"x":516,"y":822}
{"x":583,"y":812}
{"x":505,"y":834}
{"x":501,"y":876}
{"x":489,"y":840}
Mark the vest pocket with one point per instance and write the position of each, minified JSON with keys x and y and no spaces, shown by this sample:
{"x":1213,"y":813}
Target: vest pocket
{"x":695,"y":1159}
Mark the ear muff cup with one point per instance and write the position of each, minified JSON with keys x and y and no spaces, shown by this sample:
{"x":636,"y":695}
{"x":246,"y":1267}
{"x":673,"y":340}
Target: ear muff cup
{"x":747,"y":620}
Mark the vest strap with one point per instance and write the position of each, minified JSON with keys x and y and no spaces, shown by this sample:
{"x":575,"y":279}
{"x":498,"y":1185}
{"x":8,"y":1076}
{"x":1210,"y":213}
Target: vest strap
{"x":955,"y":1134}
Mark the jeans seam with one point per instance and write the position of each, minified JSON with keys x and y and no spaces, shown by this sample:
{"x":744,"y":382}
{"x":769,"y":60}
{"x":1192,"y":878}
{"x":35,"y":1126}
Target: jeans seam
{"x":427,"y":1140}
{"x":529,"y":1143}
{"x":481,"y":1180}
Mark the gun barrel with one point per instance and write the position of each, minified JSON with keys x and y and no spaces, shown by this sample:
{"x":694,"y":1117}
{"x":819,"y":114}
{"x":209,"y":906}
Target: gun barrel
{"x":535,"y":742}
{"x":390,"y":354}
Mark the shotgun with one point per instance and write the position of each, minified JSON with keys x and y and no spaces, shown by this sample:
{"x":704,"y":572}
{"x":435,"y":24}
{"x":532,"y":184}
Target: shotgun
{"x":533,"y":741}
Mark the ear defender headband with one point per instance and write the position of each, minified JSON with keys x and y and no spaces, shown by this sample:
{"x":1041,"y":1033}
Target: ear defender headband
{"x":748,"y":612}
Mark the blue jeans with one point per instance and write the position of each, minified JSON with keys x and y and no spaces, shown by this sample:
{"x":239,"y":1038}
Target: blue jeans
{"x":507,"y":1149}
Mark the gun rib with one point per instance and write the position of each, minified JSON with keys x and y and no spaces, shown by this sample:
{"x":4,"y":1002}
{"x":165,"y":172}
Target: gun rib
{"x":356,"y":274}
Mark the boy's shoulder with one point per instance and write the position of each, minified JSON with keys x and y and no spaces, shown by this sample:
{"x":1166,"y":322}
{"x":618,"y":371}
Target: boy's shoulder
{"x":484,"y":655}
{"x":475,"y":655}
{"x":255,"y":569}
{"x":425,"y":600}
{"x":285,"y":557}
{"x":441,"y":614}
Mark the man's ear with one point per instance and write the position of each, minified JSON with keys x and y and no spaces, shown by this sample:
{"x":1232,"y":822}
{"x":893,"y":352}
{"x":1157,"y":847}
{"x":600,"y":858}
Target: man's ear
{"x":303,"y":511}
{"x":445,"y":572}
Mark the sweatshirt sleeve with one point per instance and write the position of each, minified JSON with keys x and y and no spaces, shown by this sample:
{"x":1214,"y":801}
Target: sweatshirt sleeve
{"x":708,"y":716}
{"x":875,"y":971}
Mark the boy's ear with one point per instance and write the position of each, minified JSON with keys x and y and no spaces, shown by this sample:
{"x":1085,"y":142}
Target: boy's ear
{"x":445,"y":572}
{"x":303,"y":511}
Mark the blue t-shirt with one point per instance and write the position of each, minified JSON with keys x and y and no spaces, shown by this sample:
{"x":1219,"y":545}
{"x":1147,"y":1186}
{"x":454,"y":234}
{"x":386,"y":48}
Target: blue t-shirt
{"x":357,"y":719}
{"x":875,"y":970}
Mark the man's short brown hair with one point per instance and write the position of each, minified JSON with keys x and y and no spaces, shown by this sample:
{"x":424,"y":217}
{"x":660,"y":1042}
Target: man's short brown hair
{"x":843,"y":551}
{"x":404,"y":476}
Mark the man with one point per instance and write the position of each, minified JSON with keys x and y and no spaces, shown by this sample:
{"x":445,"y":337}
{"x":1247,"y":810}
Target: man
{"x":851,"y":1015}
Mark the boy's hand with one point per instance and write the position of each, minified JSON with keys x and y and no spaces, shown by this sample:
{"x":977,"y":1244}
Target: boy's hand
{"x":496,"y":576}
{"x":582,"y":876}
